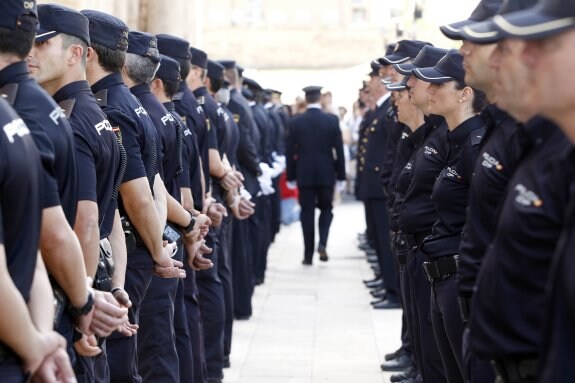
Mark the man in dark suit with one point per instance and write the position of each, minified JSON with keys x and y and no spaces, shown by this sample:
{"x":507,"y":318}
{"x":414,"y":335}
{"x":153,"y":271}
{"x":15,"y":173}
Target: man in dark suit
{"x":314,"y":160}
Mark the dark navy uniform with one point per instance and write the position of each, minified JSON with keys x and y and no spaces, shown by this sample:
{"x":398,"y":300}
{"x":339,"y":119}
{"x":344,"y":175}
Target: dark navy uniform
{"x":416,"y":218}
{"x":371,"y":160}
{"x":20,"y":215}
{"x":509,"y":301}
{"x":493,"y":170}
{"x":450,"y":196}
{"x":313,"y":138}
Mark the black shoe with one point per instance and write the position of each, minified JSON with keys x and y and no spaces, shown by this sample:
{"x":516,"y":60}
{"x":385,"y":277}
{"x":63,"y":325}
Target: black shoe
{"x":410,"y":373}
{"x":242,"y":317}
{"x":214,"y":380}
{"x":383,"y":305}
{"x":371,"y":253}
{"x":376,"y":284}
{"x":259,"y":281}
{"x":365,"y":246}
{"x":306,"y":262}
{"x":398,"y":364}
{"x":372,"y":261}
{"x":379,"y":294}
{"x":226,"y":362}
{"x":394,"y":354}
{"x":375,"y":279}
{"x":322,"y":254}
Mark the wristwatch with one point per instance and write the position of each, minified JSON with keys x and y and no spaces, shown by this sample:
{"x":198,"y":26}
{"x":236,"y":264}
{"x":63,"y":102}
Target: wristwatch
{"x":84,"y":310}
{"x":191,"y":225}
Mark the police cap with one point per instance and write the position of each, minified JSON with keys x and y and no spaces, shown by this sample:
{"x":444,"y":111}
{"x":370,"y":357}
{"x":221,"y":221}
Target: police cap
{"x":143,"y":44}
{"x":240,"y":70}
{"x":486,"y":32}
{"x":398,"y":86}
{"x":545,"y":19}
{"x":228,"y":64}
{"x":173,"y":46}
{"x":55,"y":19}
{"x":252,"y":84}
{"x":169,"y":69}
{"x":107,"y":30}
{"x":199,"y":58}
{"x":449,"y":68}
{"x":375,"y":67}
{"x":405,"y":50}
{"x":312,"y":90}
{"x":484,"y":10}
{"x":215,"y":70}
{"x":11,"y":12}
{"x":428,"y":57}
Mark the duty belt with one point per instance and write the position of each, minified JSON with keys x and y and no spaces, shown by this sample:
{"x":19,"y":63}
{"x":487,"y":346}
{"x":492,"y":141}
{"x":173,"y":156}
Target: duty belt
{"x":416,"y":239}
{"x":512,"y":371}
{"x":401,"y":248}
{"x":440,"y":267}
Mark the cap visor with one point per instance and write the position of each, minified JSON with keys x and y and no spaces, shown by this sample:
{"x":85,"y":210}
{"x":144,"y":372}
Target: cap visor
{"x":431,"y":75}
{"x":44,"y":35}
{"x":404,"y":69}
{"x":453,"y":31}
{"x":392,"y":59}
{"x":396,"y":86}
{"x":484,"y":32}
{"x":386,"y":81}
{"x":532,"y":23}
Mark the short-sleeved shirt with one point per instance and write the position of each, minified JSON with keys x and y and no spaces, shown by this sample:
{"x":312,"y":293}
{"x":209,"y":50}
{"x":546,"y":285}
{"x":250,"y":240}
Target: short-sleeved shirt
{"x":193,"y":115}
{"x":20,"y":198}
{"x":451,"y":190}
{"x":170,"y":134}
{"x":498,"y":158}
{"x":509,"y":300}
{"x":97,"y":151}
{"x":418,"y":213}
{"x":233,"y":135}
{"x":53,"y":137}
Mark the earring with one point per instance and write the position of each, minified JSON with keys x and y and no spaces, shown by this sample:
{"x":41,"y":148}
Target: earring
{"x":460,"y":101}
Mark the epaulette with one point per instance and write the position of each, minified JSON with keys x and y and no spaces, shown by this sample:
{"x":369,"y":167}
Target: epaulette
{"x":102,"y":97}
{"x":236,"y":118}
{"x":201,"y":100}
{"x":8,"y":92}
{"x":178,"y":96}
{"x":67,"y":106}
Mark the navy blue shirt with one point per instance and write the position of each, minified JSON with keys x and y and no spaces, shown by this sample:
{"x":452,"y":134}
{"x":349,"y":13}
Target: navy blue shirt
{"x":170,"y":144}
{"x":97,"y":152}
{"x":265,"y":128}
{"x":20,"y":198}
{"x":418,"y":212}
{"x":498,"y":158}
{"x":559,"y":333}
{"x":233,"y":135}
{"x":53,"y":137}
{"x":508,"y":306}
{"x":215,"y":115}
{"x":451,"y":189}
{"x":193,"y":115}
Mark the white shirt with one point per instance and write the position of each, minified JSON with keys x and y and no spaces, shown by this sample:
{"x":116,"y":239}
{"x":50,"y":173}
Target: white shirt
{"x":383,"y":99}
{"x":314,"y":106}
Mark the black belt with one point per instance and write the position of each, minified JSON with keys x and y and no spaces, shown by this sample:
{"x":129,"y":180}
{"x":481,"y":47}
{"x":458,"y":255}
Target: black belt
{"x":401,"y":248}
{"x":416,"y":239}
{"x":440,"y":267}
{"x":516,"y":371}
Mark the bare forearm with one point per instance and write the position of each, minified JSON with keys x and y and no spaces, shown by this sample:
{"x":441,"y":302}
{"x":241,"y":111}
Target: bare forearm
{"x":119,"y":254}
{"x":160,"y":198}
{"x":41,"y":302}
{"x":216,"y":167}
{"x":176,"y":213}
{"x":187,"y":199}
{"x":88,"y":232}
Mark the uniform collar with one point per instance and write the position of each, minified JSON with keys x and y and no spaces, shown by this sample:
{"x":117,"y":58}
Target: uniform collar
{"x":201,"y":91}
{"x":253,"y":103}
{"x":538,"y":129}
{"x":138,"y":90}
{"x":434,"y":119}
{"x":493,"y":116}
{"x":420,"y":133}
{"x":314,"y":106}
{"x":383,"y":99}
{"x":462,"y":131}
{"x":14,"y":73}
{"x":170,"y":106}
{"x":107,"y":82}
{"x":70,"y":90}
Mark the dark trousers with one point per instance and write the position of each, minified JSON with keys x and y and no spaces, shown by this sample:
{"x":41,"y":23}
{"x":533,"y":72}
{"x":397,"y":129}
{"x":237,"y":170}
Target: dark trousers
{"x":183,"y":339}
{"x":157,"y":354}
{"x":93,"y":370}
{"x":476,"y":370}
{"x":368,"y":225}
{"x":225,"y":275}
{"x":123,"y":350}
{"x":276,"y":209}
{"x":380,"y":224}
{"x":242,"y":281}
{"x":211,"y":298}
{"x":448,"y":326}
{"x":407,"y":315}
{"x":423,"y":337}
{"x":11,"y":370}
{"x":263,"y":211}
{"x":309,"y":199}
{"x":195,"y":325}
{"x":408,"y":312}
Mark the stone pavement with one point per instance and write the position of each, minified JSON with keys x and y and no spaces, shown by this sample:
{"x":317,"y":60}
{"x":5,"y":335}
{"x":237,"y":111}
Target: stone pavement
{"x":314,"y":324}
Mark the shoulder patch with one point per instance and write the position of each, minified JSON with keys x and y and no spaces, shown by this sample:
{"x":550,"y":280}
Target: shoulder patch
{"x":67,"y":107}
{"x":102,"y":97}
{"x":8,"y":92}
{"x":236,"y":118}
{"x":178,"y":96}
{"x":201,"y":100}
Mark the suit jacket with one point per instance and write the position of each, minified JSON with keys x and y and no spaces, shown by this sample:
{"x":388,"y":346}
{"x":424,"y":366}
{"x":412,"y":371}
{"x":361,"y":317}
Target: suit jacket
{"x":373,"y":142}
{"x":315,"y":149}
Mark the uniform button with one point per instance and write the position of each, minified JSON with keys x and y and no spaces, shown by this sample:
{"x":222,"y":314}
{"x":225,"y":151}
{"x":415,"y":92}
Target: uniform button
{"x":361,"y":168}
{"x":374,"y":122}
{"x":362,"y":160}
{"x":372,"y":129}
{"x":365,"y":140}
{"x":377,"y":168}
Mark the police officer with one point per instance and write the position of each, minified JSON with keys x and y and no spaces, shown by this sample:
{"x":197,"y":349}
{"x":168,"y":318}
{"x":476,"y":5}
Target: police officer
{"x":532,"y":204}
{"x":314,"y":137}
{"x":558,"y":338}
{"x":97,"y":151}
{"x":28,"y":345}
{"x":53,"y":136}
{"x":146,"y":252}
